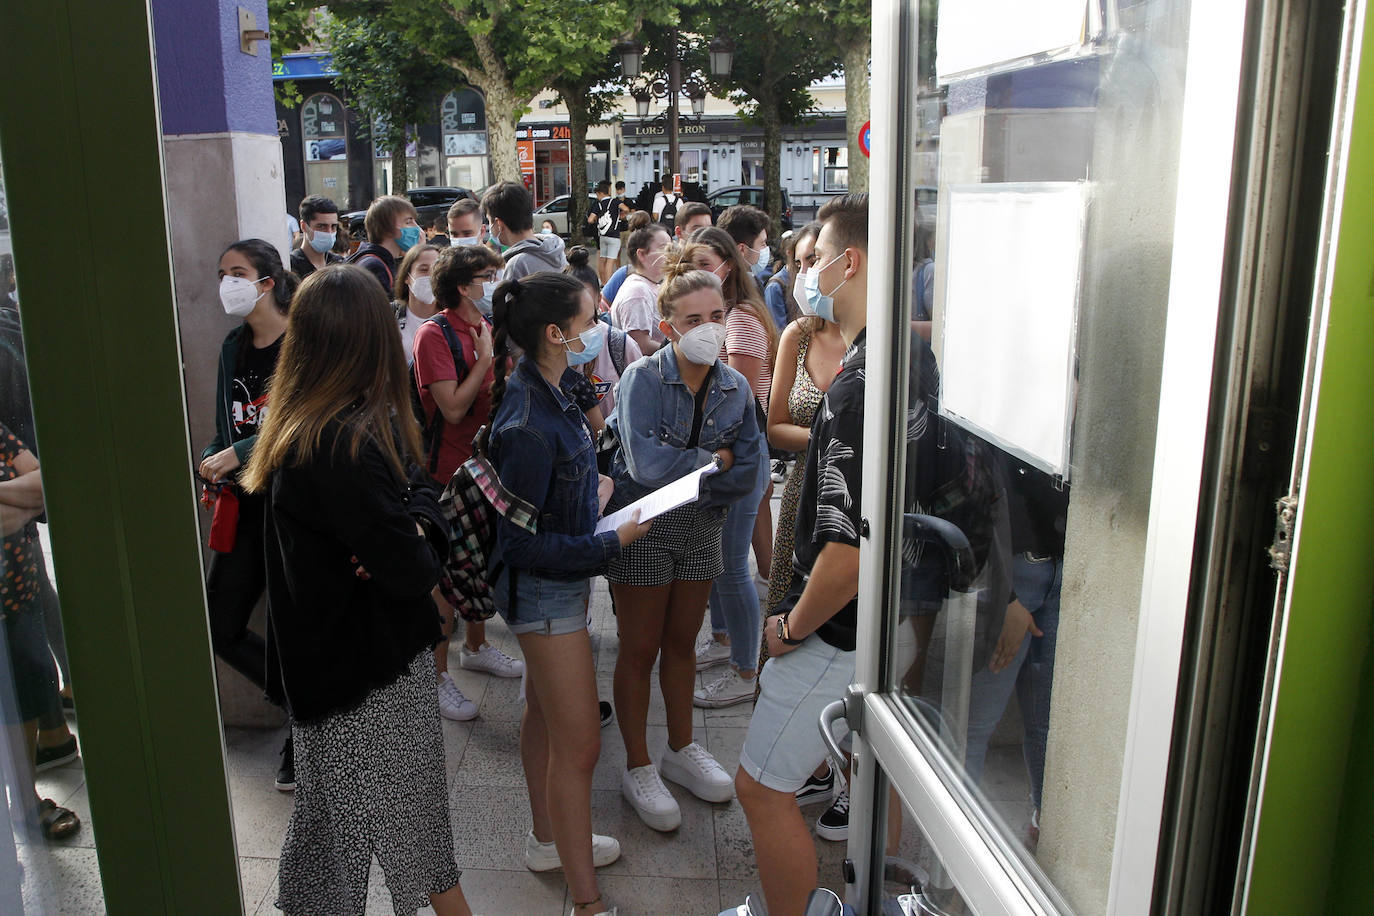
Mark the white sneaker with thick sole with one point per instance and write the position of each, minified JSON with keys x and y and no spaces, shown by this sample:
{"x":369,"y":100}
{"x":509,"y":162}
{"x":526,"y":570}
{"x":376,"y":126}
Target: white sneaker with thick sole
{"x":727,"y":690}
{"x":544,"y":856}
{"x":452,"y":704}
{"x":491,"y":660}
{"x":697,"y":771}
{"x":711,"y":653}
{"x":650,"y":798}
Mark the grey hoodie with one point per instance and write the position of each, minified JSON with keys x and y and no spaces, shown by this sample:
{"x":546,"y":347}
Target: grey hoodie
{"x":543,"y":252}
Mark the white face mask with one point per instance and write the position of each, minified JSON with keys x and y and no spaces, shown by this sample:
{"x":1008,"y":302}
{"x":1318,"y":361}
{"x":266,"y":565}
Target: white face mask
{"x":456,"y":242}
{"x":422,"y":288}
{"x":702,"y":344}
{"x":239,"y":295}
{"x":799,"y":295}
{"x":762,"y":258}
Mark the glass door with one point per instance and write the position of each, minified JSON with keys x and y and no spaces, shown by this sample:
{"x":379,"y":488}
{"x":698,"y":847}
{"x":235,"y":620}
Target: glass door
{"x":1040,"y":342}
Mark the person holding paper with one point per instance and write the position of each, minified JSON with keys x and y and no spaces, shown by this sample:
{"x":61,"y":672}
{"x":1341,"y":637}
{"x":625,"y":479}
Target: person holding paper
{"x":678,"y":410}
{"x":541,"y":448}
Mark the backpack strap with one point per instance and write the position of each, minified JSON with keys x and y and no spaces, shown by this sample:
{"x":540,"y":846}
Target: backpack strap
{"x":433,"y":432}
{"x":390,"y":278}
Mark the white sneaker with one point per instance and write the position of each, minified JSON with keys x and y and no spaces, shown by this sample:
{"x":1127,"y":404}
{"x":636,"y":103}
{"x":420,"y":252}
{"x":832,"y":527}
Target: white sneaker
{"x":711,"y":653}
{"x":611,"y":912}
{"x":452,"y":704}
{"x":491,"y":660}
{"x":727,"y":690}
{"x":696,"y":770}
{"x":650,"y":798}
{"x":544,"y":856}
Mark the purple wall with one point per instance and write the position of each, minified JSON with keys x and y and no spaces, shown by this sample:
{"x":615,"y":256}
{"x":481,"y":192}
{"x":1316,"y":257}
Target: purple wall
{"x":205,"y":83}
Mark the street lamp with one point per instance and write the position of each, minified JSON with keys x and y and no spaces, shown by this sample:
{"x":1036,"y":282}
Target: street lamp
{"x":722,"y":56}
{"x":631,"y":58}
{"x":642,"y":99}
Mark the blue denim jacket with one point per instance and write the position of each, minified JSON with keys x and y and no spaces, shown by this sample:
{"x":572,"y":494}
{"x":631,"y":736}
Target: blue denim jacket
{"x":542,"y":451}
{"x":653,"y":418}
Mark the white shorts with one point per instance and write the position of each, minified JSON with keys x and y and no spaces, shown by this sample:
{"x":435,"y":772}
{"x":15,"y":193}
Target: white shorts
{"x":610,"y":247}
{"x":784,"y":744}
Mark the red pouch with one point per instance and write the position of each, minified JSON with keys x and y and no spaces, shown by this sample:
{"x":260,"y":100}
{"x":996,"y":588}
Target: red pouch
{"x":224,"y":525}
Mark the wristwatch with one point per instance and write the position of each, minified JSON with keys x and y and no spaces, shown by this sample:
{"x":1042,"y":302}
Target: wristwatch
{"x":784,"y":634}
{"x":718,"y":461}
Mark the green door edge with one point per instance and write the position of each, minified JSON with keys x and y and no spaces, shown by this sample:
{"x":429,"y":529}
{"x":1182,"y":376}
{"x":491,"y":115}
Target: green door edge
{"x":81,"y":141}
{"x":1315,"y":836}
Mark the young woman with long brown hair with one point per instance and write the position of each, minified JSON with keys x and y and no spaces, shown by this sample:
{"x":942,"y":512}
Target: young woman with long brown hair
{"x":353,"y":545}
{"x":750,"y":347}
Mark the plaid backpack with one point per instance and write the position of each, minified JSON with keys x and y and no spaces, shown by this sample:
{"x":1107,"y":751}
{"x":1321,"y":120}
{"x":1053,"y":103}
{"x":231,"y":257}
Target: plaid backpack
{"x":471,"y":503}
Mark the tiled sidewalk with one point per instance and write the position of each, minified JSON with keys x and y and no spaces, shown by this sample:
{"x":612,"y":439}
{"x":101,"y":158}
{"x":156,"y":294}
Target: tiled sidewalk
{"x":698,"y":870}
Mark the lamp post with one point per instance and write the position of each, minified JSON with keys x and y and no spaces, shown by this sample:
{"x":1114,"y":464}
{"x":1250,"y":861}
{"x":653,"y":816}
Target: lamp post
{"x":631,"y":64}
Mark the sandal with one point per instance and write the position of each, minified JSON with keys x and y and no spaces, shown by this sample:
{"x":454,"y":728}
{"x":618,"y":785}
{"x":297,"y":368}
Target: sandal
{"x":57,"y":822}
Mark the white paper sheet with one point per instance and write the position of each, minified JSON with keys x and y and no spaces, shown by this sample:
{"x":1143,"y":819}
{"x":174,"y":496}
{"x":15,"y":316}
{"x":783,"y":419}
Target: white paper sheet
{"x":1010,"y":311}
{"x":978,"y":34}
{"x":680,"y":492}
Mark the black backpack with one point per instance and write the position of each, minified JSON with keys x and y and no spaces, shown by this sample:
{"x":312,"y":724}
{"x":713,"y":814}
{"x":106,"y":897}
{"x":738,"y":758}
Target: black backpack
{"x":615,"y":341}
{"x":669,"y":213}
{"x":432,"y":430}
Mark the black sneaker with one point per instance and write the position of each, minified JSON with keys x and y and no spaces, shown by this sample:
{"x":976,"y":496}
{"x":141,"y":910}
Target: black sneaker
{"x":833,"y":825}
{"x":286,"y":773}
{"x":45,"y":758}
{"x":607,"y":713}
{"x":817,"y":789}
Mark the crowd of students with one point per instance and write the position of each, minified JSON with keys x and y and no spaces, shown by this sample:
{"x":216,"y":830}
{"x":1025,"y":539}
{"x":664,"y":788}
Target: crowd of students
{"x":696,"y":352}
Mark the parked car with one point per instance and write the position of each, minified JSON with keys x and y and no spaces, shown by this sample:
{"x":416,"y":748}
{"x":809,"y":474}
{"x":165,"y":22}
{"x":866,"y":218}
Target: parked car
{"x":556,"y":212}
{"x":429,"y":203}
{"x":747,"y":194}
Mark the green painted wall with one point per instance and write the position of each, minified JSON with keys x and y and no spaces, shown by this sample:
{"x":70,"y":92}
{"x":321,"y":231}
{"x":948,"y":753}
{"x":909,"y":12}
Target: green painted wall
{"x":82,"y":155}
{"x":1315,"y":845}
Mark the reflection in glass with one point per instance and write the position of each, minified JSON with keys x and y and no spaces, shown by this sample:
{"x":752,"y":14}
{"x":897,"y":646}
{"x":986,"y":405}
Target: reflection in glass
{"x":46,"y":839}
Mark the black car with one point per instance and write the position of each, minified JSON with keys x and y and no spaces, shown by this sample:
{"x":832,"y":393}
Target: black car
{"x":747,"y":194}
{"x":429,"y":202}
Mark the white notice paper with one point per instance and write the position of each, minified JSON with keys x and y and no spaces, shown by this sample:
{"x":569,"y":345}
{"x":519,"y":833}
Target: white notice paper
{"x":680,"y":492}
{"x":1011,"y":315}
{"x":976,"y":35}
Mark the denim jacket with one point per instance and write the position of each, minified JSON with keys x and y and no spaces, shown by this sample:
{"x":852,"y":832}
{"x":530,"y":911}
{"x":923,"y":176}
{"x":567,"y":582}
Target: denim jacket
{"x":653,"y":418}
{"x":542,"y":451}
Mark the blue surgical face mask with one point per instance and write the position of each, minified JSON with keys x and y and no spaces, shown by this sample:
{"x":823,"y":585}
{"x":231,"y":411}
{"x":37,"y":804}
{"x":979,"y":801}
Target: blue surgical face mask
{"x":323,"y":241}
{"x":765,"y":258}
{"x":457,"y":242}
{"x":410,"y":237}
{"x":484,"y":304}
{"x":821,"y":304}
{"x":592,"y":340}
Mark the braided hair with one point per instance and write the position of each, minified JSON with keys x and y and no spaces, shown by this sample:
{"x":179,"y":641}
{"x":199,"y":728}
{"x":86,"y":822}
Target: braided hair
{"x":520,"y":311}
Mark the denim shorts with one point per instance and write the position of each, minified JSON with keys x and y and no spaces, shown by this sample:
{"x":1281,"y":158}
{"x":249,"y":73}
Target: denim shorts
{"x":784,"y":745}
{"x":550,"y":607}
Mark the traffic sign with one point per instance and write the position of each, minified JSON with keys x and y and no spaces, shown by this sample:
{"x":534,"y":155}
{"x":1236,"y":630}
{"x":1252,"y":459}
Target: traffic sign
{"x":863,"y":138}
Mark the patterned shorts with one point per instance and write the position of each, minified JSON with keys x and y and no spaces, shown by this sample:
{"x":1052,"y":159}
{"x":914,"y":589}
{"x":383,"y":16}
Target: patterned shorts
{"x":682,"y":544}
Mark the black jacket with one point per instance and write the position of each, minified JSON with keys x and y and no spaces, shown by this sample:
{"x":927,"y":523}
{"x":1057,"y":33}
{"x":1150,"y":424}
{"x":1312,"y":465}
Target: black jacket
{"x":336,"y":636}
{"x":377,"y":261}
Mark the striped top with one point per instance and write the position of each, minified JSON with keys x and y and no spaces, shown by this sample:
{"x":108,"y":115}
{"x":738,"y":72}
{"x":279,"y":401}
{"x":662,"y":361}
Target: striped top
{"x":746,"y":336}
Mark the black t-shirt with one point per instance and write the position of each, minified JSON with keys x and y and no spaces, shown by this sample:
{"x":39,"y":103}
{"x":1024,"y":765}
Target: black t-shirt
{"x":301,"y":266}
{"x":248,"y":402}
{"x":832,"y":486}
{"x":699,"y":411}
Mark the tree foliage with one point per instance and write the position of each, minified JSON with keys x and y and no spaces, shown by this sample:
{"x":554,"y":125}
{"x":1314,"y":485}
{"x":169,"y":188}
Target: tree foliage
{"x":383,"y":74}
{"x":291,"y":24}
{"x":776,"y":61}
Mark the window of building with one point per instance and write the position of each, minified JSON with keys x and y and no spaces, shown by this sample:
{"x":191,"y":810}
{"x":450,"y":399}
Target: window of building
{"x":463,"y":122}
{"x":324,"y":132}
{"x":835,"y":172}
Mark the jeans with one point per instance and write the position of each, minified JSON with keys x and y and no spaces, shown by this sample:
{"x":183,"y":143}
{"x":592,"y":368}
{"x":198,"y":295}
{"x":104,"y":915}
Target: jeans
{"x":1030,"y":674}
{"x":734,"y":599}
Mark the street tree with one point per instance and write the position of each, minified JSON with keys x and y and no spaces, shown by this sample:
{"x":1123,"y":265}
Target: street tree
{"x":849,"y":25}
{"x":387,"y":77}
{"x":292,"y":25}
{"x":775,"y":63}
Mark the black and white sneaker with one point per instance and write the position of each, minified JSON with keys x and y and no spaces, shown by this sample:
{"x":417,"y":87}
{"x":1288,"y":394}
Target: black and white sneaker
{"x":817,"y":789}
{"x":607,"y":712}
{"x":779,"y":471}
{"x":286,"y":773}
{"x":833,"y":825}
